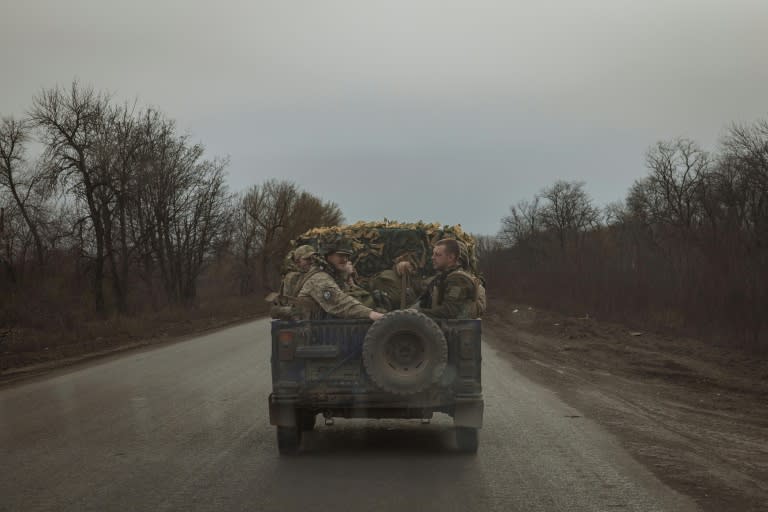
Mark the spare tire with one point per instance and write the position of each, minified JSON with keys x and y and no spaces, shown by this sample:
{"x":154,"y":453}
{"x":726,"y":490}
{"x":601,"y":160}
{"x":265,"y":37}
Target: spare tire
{"x":404,"y":352}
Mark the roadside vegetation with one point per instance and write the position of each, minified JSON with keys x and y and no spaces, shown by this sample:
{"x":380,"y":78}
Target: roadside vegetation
{"x":114,"y":225}
{"x":686,"y":252}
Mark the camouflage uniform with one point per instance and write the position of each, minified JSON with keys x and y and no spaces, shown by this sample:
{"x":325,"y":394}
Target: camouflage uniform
{"x":321,"y":294}
{"x":361,"y":294}
{"x":292,"y":280}
{"x":285,"y":305}
{"x":482,"y":301}
{"x":387,"y":288}
{"x":453,"y":293}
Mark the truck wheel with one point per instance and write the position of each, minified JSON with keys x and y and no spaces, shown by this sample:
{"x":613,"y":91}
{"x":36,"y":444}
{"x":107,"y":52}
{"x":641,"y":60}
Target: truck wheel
{"x":405,"y":352}
{"x":307,"y":420}
{"x":288,"y":440}
{"x":467,"y":439}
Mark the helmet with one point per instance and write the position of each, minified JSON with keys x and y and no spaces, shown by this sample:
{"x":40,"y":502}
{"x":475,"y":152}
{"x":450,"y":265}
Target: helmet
{"x":303,"y":251}
{"x":340,"y":246}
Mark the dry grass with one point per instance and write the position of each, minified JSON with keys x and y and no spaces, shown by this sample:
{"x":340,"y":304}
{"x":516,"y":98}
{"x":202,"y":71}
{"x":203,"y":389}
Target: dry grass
{"x":75,"y":333}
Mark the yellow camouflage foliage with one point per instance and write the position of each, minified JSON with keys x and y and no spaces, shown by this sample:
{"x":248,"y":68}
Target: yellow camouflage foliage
{"x":377,"y":244}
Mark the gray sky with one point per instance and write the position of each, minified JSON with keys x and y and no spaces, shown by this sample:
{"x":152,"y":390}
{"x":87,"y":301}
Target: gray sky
{"x":445,"y":111}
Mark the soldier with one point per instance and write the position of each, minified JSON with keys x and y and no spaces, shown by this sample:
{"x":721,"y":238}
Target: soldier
{"x":320,"y":290}
{"x":453,"y":292}
{"x":349,"y":284}
{"x":302,"y":258}
{"x":295,"y":266}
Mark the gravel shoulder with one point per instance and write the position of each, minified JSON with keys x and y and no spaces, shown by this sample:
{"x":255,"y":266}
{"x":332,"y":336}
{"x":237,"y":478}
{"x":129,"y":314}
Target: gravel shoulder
{"x":694,"y":414}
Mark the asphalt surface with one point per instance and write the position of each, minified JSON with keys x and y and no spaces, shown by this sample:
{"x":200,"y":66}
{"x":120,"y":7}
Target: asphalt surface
{"x":185,"y":427}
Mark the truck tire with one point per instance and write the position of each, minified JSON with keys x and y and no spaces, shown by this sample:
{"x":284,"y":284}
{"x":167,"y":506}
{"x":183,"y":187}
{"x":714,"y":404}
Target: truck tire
{"x":405,"y":352}
{"x":306,"y":420}
{"x":467,"y":439}
{"x":288,"y":440}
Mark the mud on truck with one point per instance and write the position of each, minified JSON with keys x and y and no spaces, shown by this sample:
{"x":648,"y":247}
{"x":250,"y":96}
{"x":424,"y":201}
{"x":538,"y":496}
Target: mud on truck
{"x":405,"y":365}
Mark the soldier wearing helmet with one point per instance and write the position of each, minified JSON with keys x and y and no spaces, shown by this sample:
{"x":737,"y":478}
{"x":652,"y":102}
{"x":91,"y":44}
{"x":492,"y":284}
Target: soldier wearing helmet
{"x":301,"y":260}
{"x":320,"y":291}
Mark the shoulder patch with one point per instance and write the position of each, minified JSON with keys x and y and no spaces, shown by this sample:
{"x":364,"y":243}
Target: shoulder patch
{"x":328,"y":294}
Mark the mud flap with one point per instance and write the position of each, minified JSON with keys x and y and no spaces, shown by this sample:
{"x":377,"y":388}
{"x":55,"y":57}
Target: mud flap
{"x":468,"y":414}
{"x":282,"y":414}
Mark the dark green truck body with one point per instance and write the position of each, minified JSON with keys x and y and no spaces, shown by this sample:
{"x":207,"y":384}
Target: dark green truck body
{"x":318,"y":369}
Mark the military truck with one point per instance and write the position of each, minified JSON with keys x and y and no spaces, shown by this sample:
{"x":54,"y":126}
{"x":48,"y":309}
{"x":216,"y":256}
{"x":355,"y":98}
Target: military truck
{"x":405,"y":365}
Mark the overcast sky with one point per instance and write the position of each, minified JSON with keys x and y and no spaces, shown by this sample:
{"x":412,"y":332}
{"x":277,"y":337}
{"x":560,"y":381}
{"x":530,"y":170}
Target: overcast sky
{"x":445,"y":111}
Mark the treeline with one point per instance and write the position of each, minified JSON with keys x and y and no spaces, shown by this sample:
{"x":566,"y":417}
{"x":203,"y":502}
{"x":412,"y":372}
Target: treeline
{"x":117,"y":212}
{"x":687,"y":250}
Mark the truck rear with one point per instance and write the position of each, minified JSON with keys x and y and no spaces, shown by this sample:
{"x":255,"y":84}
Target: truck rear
{"x":405,"y":365}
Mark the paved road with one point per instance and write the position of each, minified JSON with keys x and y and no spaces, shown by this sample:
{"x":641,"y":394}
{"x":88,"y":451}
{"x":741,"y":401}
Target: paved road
{"x":185,"y":427}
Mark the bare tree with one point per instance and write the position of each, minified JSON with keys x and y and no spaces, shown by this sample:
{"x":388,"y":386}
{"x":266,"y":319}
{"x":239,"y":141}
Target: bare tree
{"x":742,"y":197}
{"x":270,"y":206}
{"x":8,"y":239}
{"x":523,"y":222}
{"x":116,"y":159}
{"x":180,"y":206}
{"x":745,"y":171}
{"x":615,"y":213}
{"x":13,"y":136}
{"x":568,"y":211}
{"x":149,"y":191}
{"x":69,"y":121}
{"x":310,"y":211}
{"x":688,"y":248}
{"x":203,"y":223}
{"x":245,"y":233}
{"x":272,"y":215}
{"x":670,"y":192}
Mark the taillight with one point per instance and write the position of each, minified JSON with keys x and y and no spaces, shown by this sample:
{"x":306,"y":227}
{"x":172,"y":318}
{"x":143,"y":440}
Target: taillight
{"x":286,"y":345}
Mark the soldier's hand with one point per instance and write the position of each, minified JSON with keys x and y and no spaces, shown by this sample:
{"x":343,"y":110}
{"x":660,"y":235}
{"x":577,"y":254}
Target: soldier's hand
{"x":375,"y":315}
{"x":402,"y":267}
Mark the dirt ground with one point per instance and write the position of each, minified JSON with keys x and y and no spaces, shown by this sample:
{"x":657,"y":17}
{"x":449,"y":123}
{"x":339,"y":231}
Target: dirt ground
{"x":695,"y":414}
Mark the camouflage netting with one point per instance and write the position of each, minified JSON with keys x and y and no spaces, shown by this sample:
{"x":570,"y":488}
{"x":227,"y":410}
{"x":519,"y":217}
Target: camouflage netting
{"x":378,"y":244}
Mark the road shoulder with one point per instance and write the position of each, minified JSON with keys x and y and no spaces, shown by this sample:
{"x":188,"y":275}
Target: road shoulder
{"x":693,"y":414}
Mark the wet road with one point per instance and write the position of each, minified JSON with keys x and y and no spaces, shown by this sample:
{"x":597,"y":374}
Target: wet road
{"x":185,"y":427}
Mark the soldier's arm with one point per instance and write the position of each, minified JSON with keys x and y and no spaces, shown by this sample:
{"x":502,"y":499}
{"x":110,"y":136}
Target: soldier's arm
{"x":288,"y":285}
{"x":324,"y":290}
{"x":415,"y":282}
{"x":457,"y":300}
